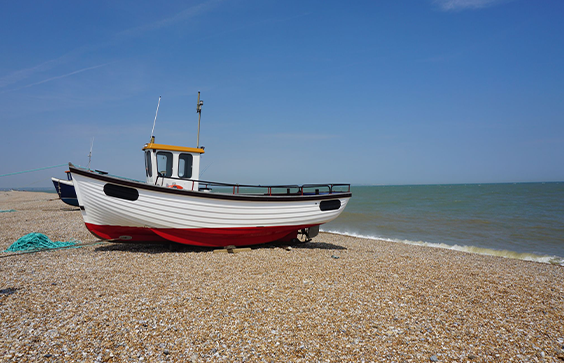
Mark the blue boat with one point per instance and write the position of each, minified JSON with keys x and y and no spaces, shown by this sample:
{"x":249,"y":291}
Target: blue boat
{"x":65,"y":189}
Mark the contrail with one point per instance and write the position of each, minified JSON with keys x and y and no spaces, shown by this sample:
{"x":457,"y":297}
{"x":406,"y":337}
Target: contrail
{"x":22,"y":74}
{"x":62,"y":76}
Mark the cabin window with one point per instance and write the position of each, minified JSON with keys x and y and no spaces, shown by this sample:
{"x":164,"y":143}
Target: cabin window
{"x":164,"y":164}
{"x":185,"y":166}
{"x":148,"y":166}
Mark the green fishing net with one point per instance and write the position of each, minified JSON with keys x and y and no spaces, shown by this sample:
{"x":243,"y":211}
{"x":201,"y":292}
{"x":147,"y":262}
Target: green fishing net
{"x":37,"y":241}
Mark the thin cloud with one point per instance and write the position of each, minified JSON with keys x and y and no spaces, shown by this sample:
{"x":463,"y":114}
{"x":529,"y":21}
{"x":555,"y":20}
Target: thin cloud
{"x":185,"y":14}
{"x":23,"y":74}
{"x":459,"y":5}
{"x":63,"y":76}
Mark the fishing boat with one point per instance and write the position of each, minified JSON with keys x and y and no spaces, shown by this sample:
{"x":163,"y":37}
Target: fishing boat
{"x":174,"y":205}
{"x":65,"y":189}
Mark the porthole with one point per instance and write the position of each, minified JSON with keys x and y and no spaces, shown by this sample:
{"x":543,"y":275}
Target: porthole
{"x":330,"y":205}
{"x":118,"y":191}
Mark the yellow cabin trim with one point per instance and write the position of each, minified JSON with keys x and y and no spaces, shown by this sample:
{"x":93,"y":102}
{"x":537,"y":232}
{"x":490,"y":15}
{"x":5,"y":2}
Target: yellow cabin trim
{"x":173,"y":148}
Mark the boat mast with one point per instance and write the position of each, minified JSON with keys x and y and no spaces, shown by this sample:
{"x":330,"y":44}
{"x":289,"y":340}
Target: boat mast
{"x":199,"y":105}
{"x":155,"y":121}
{"x":90,"y":153}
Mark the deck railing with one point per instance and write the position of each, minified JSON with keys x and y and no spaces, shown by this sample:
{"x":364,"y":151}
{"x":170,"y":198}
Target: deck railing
{"x":291,"y":189}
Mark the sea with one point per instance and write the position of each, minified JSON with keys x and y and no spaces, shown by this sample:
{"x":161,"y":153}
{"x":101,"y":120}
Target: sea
{"x":513,"y":220}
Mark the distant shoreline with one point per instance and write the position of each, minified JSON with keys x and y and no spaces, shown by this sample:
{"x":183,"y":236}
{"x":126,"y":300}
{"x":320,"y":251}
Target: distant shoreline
{"x":32,"y":190}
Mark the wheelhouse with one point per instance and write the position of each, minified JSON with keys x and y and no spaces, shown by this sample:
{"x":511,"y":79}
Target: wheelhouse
{"x":172,"y":166}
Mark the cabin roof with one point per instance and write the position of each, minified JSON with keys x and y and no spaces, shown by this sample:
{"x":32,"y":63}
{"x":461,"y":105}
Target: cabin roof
{"x":154,"y":146}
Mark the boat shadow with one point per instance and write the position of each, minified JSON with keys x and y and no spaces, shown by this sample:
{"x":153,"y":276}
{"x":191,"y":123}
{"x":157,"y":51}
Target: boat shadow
{"x":151,"y":248}
{"x":61,"y":209}
{"x":154,"y":248}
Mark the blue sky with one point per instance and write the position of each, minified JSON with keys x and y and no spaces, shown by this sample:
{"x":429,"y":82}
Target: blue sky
{"x":366,"y":92}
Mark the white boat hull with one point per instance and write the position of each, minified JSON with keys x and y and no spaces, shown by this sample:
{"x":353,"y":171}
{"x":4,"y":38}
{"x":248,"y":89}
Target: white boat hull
{"x":115,"y":208}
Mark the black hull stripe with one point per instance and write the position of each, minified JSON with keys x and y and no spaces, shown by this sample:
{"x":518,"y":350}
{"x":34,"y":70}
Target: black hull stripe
{"x":184,"y":192}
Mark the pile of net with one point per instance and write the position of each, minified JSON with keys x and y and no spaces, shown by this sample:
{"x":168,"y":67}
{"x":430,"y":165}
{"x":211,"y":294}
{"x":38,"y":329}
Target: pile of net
{"x":37,"y":241}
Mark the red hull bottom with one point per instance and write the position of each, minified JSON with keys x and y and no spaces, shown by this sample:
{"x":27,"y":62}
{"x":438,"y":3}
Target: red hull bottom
{"x":206,"y":237}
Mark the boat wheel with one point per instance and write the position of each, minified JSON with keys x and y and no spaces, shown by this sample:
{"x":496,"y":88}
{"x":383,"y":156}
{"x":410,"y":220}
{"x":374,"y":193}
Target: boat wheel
{"x":304,"y":236}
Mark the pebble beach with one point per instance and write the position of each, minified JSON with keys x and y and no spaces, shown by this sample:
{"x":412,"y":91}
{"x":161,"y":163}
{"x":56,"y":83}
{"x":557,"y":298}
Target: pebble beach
{"x":334,"y":299}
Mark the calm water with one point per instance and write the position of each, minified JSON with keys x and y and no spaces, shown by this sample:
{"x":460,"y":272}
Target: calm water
{"x":524,"y":220}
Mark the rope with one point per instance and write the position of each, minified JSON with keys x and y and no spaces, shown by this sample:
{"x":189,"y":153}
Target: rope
{"x":37,"y":241}
{"x":74,"y":245}
{"x":28,"y":171}
{"x":7,"y":210}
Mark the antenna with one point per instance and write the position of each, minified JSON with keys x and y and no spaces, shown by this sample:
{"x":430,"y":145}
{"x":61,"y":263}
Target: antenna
{"x":154,"y":122}
{"x":199,"y":105}
{"x":90,"y":153}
